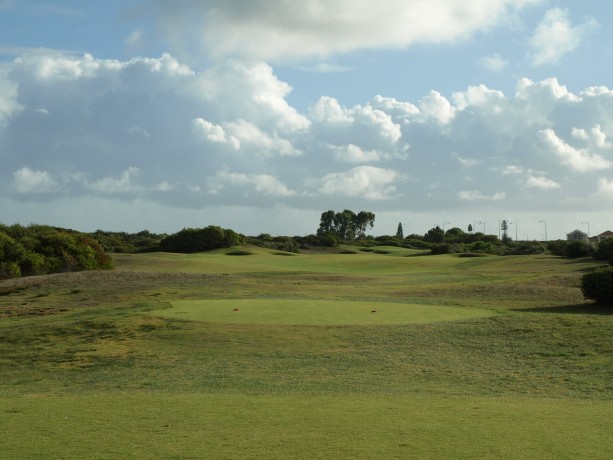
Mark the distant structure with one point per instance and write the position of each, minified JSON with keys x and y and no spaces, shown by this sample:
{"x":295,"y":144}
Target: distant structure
{"x":604,"y":236}
{"x":576,"y":235}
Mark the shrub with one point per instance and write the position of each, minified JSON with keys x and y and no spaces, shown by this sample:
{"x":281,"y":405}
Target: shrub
{"x":441,"y":248}
{"x":577,"y":249}
{"x":604,"y":251}
{"x":598,"y":285}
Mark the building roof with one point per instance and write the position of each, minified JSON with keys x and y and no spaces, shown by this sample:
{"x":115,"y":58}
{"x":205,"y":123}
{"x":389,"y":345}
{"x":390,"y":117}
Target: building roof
{"x":608,"y":233}
{"x":577,"y":231}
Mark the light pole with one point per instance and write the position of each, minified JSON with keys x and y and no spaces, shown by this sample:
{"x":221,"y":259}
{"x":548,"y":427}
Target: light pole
{"x":544,"y":222}
{"x":514,"y":223}
{"x":588,"y":227}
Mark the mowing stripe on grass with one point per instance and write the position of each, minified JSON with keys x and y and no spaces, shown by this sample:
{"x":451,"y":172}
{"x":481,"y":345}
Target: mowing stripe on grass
{"x":315,"y":312}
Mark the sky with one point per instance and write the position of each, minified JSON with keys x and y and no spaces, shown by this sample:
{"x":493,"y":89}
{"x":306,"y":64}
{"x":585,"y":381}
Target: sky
{"x":260,"y":115}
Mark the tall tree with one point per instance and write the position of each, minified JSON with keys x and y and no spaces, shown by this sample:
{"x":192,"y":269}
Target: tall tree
{"x":399,"y":232}
{"x":326,"y":224}
{"x":504,"y":226}
{"x":364,"y":220}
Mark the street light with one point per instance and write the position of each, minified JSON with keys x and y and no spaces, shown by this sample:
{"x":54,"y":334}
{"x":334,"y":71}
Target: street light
{"x":588,"y":227}
{"x":514,"y":223}
{"x":544,"y":222}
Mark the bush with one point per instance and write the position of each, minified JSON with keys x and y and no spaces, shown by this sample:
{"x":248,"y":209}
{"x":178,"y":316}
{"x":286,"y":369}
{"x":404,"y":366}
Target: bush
{"x":441,"y":248}
{"x":598,"y":285}
{"x":604,"y":251}
{"x":576,"y":249}
{"x":191,"y":240}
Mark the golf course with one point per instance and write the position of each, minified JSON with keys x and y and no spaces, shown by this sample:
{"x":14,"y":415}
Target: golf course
{"x":249,"y":352}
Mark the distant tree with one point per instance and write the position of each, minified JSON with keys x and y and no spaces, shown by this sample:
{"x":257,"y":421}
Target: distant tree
{"x":504,"y":226}
{"x":435,"y":235}
{"x":454,"y":234}
{"x":345,"y":225}
{"x":326,"y":224}
{"x":364,"y":220}
{"x":470,"y":228}
{"x":399,"y":232}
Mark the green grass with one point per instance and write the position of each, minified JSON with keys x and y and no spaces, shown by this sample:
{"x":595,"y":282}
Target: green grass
{"x":465,"y":357}
{"x":314,"y":312}
{"x":237,"y":426}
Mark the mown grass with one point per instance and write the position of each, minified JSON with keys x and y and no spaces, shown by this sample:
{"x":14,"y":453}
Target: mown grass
{"x":150,"y":361}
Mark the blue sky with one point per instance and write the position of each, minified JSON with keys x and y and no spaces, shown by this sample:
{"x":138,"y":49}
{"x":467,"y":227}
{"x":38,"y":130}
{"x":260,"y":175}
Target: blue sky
{"x":259,"y":115}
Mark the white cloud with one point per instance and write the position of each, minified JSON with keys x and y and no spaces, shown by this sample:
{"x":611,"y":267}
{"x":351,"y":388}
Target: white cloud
{"x":27,"y":180}
{"x":541,"y":183}
{"x":605,"y":188}
{"x":579,"y":160}
{"x":354,"y":154}
{"x":494,"y":62}
{"x":135,"y":38}
{"x":366,"y":182}
{"x":178,"y":126}
{"x":122,"y":184}
{"x":249,"y":136}
{"x":555,"y":37}
{"x":465,"y":161}
{"x":262,"y":184}
{"x":252,"y":28}
{"x":215,"y":133}
{"x":436,"y":106}
{"x":473,"y":195}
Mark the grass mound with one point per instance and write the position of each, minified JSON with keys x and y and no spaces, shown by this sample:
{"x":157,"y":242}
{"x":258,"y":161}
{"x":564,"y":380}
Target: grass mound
{"x":315,"y":312}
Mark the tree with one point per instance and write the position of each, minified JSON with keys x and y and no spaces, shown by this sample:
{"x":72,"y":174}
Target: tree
{"x":399,"y":232}
{"x":504,"y":226}
{"x":470,"y":228}
{"x":435,"y":235}
{"x":326,"y":224}
{"x":345,"y":225}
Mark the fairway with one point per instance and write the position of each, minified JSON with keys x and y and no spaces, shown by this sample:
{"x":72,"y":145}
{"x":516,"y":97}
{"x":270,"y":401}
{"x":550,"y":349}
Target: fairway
{"x":315,"y":312}
{"x":323,"y":354}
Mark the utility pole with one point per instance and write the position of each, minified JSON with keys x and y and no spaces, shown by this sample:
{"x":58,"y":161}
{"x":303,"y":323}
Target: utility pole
{"x":544,"y":222}
{"x":588,"y":227}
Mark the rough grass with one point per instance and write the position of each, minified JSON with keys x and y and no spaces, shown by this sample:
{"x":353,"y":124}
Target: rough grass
{"x":88,"y":364}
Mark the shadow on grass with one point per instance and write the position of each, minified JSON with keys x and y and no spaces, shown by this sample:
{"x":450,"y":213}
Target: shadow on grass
{"x":576,"y":309}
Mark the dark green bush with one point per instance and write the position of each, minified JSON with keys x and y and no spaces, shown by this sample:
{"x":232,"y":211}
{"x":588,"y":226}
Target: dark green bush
{"x":598,"y":285}
{"x":440,"y":248}
{"x":604,"y":250}
{"x":576,"y":249}
{"x":191,"y":240}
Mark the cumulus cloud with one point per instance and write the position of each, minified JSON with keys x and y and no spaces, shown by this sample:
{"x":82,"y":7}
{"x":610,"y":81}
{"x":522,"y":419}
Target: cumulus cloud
{"x":367,"y":182}
{"x":579,"y":160}
{"x":541,"y":183}
{"x":122,"y":184}
{"x":263,"y":184}
{"x":27,"y":180}
{"x":555,"y":36}
{"x":251,"y":29}
{"x":155,"y":129}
